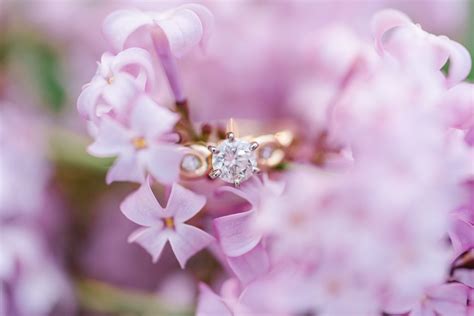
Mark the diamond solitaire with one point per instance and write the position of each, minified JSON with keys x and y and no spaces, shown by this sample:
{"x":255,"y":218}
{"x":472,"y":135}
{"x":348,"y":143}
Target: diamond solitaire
{"x":233,"y":160}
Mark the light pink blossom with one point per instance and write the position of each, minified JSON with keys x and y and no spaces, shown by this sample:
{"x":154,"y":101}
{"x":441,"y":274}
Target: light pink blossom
{"x":228,"y":303}
{"x":250,"y":265}
{"x":166,"y":224}
{"x":235,"y":232}
{"x":117,"y":81}
{"x":182,"y":27}
{"x":142,"y":146}
{"x":411,"y":40}
{"x":173,"y":33}
{"x":462,"y":230}
{"x":37,"y":286}
{"x":446,"y":299}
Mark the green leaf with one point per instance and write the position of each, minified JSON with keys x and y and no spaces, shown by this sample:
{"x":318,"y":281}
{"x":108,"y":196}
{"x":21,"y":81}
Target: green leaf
{"x":104,"y":298}
{"x":34,"y":62}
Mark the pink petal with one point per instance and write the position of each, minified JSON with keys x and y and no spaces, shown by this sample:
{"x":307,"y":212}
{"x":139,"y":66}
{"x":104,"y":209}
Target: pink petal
{"x":133,"y":56}
{"x":385,"y":20}
{"x":235,"y":234}
{"x":449,"y":299}
{"x":142,"y":207}
{"x":250,"y":190}
{"x":251,"y":265}
{"x":450,"y":292}
{"x":420,"y":310}
{"x":462,"y":235}
{"x":137,"y":62}
{"x":187,"y":241}
{"x":119,"y":25}
{"x":151,"y":120}
{"x":126,"y":168}
{"x":120,"y":92}
{"x":164,"y":162}
{"x":153,"y":239}
{"x":106,"y":61}
{"x":459,"y":61}
{"x":230,"y":290}
{"x":183,"y":203}
{"x":87,"y":101}
{"x":465,"y":276}
{"x":459,"y":105}
{"x":183,"y":30}
{"x":112,"y":139}
{"x":211,"y":304}
{"x":207,"y":20}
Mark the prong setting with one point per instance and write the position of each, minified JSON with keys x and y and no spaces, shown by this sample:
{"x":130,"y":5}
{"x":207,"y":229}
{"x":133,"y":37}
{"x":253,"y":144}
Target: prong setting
{"x":230,"y":136}
{"x":213,"y":149}
{"x":256,"y":170}
{"x":215,"y":173}
{"x":253,"y":146}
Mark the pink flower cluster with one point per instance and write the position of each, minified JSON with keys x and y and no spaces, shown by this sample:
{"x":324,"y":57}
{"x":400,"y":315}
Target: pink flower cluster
{"x":382,"y":222}
{"x":127,"y":123}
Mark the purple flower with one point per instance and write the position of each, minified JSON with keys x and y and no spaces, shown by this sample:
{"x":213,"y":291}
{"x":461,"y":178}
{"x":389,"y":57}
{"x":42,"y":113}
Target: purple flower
{"x":235,"y":232}
{"x":446,"y":299}
{"x":37,"y":285}
{"x":227,"y":304}
{"x":462,"y":230}
{"x":182,"y":28}
{"x":412,"y":43}
{"x":166,"y":224}
{"x":142,"y":146}
{"x":173,"y":33}
{"x":118,"y":79}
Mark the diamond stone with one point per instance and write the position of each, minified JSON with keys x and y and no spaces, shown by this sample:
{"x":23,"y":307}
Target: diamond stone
{"x":190,"y":163}
{"x":267,"y":151}
{"x":235,"y":159}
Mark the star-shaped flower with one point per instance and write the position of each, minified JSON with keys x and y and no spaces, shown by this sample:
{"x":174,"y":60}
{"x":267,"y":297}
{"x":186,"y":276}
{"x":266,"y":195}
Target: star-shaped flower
{"x":166,"y":224}
{"x":142,"y":146}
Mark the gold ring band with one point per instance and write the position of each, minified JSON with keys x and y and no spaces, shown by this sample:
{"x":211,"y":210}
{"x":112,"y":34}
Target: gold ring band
{"x":269,"y":151}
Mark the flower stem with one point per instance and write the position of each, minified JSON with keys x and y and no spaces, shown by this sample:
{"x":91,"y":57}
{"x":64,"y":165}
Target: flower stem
{"x":168,"y":62}
{"x":170,"y":68}
{"x":185,"y":126}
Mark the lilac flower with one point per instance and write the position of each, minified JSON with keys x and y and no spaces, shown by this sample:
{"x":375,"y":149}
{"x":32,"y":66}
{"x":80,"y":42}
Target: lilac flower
{"x":250,"y":265}
{"x":209,"y":303}
{"x":182,"y":27}
{"x":412,"y":40}
{"x":37,"y":286}
{"x":446,"y":299}
{"x":173,"y":33}
{"x":142,"y":146}
{"x":363,"y":236}
{"x":118,"y":79}
{"x":166,"y":224}
{"x":367,"y":215}
{"x":235,"y":232}
{"x":462,"y":230}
